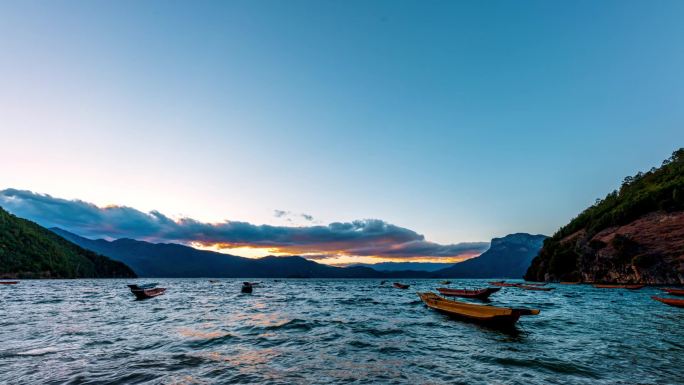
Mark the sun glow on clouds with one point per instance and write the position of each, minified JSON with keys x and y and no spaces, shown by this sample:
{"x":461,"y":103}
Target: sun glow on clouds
{"x":364,"y":240}
{"x":337,"y":258}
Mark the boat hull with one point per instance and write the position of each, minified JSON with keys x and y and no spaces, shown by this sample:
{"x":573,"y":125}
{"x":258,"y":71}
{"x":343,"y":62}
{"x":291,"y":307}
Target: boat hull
{"x":148,"y":293}
{"x":535,"y":288}
{"x":503,"y":284}
{"x":400,"y":285}
{"x":670,"y":301}
{"x":478,"y":294}
{"x":678,"y":292}
{"x":9,"y":282}
{"x":483,"y":314}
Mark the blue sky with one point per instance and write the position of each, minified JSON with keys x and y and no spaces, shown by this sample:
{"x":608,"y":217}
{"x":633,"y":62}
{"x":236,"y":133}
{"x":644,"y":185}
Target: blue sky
{"x":459,"y":120}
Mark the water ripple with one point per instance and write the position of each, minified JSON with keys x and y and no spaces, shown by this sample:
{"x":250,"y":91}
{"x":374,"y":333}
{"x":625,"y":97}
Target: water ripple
{"x":329,"y":332}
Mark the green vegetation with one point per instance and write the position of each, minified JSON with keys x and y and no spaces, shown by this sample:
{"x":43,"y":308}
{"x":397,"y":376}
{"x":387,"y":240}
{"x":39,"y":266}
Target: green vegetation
{"x":28,"y":250}
{"x":660,"y":189}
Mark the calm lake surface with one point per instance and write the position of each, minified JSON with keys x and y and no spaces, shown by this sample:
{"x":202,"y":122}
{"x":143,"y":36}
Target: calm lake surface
{"x":329,"y":332}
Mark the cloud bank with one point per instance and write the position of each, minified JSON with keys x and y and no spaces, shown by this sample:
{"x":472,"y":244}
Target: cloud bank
{"x":367,"y":237}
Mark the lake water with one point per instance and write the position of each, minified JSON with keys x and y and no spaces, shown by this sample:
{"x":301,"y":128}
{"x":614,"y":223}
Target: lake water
{"x":329,"y":332}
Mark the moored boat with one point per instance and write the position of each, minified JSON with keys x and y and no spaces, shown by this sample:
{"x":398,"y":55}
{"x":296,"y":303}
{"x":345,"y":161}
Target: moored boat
{"x":479,"y":294}
{"x":445,"y":282}
{"x":503,"y":284}
{"x":144,"y":292}
{"x":214,"y":281}
{"x":537,"y":288}
{"x":568,"y":283}
{"x":678,"y":292}
{"x":247,"y":287}
{"x":535,"y":283}
{"x":144,"y":286}
{"x":628,"y":287}
{"x":400,"y":285}
{"x":9,"y":282}
{"x":670,"y":301}
{"x":492,"y":315}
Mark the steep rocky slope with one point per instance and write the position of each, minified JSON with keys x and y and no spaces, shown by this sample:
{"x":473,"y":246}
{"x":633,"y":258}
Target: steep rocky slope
{"x":635,"y":234}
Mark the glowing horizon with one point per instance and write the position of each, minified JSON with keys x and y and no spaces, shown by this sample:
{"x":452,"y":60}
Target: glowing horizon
{"x":358,"y":241}
{"x":338,"y":258}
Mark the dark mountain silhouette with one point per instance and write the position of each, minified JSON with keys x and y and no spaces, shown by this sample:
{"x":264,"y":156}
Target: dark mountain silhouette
{"x":404,"y":266}
{"x":175,"y":261}
{"x":28,"y":250}
{"x":507,"y":257}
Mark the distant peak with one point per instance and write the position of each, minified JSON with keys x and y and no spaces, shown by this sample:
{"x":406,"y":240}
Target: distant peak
{"x":519,"y":238}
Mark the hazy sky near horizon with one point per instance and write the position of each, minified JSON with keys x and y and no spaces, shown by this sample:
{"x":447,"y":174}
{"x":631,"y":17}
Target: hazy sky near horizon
{"x":459,"y":120}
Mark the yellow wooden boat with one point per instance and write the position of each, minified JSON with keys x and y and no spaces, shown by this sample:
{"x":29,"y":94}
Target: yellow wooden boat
{"x":478,"y":313}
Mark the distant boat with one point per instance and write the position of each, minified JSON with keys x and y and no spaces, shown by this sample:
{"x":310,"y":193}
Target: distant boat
{"x":9,"y":282}
{"x":247,"y":287}
{"x":479,"y":294}
{"x":529,"y":287}
{"x":503,"y":284}
{"x":445,"y":282}
{"x":670,"y":301}
{"x":214,"y":281}
{"x":628,"y":287}
{"x":491,"y":315}
{"x":400,"y":285}
{"x":383,"y":282}
{"x":679,"y":292}
{"x":144,"y":285}
{"x":146,"y":291}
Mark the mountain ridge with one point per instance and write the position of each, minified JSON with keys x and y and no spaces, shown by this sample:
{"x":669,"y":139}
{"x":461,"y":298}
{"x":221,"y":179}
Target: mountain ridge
{"x":28,"y":250}
{"x":507,"y":257}
{"x":171,"y":260}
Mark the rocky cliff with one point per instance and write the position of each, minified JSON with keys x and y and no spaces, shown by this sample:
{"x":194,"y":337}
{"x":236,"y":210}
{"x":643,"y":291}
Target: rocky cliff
{"x":634,"y":235}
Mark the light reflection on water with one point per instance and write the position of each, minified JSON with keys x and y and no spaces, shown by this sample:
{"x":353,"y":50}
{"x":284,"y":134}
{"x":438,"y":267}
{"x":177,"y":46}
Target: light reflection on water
{"x":329,"y":332}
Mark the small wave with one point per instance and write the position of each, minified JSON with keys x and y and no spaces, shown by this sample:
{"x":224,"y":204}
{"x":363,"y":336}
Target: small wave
{"x":48,"y":301}
{"x":359,"y":344}
{"x":294,"y":324}
{"x":380,"y":332}
{"x":205,"y":338}
{"x":40,"y":351}
{"x":553,"y":366}
{"x":357,"y":301}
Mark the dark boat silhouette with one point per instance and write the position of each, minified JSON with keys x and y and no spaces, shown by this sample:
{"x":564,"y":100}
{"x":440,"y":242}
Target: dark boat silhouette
{"x":400,"y":285}
{"x":146,"y":291}
{"x":503,"y":284}
{"x":247,"y":287}
{"x":537,"y":288}
{"x":478,"y":294}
